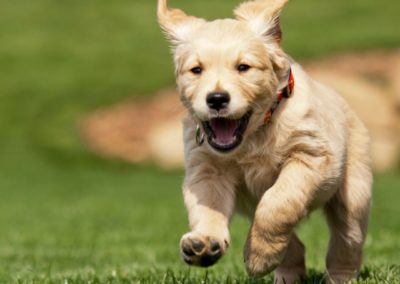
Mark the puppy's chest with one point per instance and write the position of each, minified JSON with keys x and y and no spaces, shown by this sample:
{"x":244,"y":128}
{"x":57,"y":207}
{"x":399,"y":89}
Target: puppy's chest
{"x":258,"y":174}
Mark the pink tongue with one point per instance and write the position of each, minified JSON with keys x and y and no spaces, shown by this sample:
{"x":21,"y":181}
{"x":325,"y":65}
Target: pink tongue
{"x":224,"y":130}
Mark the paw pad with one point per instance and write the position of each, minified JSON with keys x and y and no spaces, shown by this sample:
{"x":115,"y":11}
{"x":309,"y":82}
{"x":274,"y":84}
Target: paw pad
{"x":197,"y":245}
{"x":200,"y":251}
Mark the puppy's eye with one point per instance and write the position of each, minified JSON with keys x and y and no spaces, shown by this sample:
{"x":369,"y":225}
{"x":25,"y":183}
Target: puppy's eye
{"x":196,"y":70}
{"x":243,"y":67}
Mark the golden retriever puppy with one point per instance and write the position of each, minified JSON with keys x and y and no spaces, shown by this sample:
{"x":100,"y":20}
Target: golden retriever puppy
{"x":264,"y":139}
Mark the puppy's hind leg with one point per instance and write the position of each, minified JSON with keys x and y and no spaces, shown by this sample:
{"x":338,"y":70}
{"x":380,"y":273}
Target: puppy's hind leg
{"x":293,"y":267}
{"x":347,"y":215}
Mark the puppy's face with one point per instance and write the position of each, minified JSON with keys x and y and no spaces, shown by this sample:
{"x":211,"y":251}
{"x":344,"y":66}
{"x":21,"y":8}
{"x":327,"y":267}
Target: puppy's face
{"x":227,"y":72}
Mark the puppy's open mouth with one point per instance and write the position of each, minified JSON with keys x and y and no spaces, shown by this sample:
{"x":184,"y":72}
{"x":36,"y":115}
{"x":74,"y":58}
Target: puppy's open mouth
{"x":225,"y":134}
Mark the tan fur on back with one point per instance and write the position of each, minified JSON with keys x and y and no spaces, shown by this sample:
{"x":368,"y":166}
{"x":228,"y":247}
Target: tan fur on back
{"x":313,"y":153}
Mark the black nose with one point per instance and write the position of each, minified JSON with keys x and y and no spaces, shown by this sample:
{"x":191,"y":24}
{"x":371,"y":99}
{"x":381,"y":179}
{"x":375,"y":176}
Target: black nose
{"x":218,"y":100}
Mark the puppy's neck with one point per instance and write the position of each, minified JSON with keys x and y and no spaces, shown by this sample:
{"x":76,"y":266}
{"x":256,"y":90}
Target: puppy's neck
{"x":284,"y":93}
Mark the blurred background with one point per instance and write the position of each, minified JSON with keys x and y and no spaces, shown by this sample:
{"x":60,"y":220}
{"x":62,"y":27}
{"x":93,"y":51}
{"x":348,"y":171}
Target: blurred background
{"x":90,"y":149}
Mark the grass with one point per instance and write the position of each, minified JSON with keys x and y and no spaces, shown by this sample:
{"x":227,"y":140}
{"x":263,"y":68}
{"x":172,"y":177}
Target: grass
{"x":122,"y":224}
{"x":68,"y":216}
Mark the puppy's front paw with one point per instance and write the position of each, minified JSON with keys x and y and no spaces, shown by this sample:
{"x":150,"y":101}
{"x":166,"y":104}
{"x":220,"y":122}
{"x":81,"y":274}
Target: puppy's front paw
{"x":262,"y":255}
{"x":201,"y":250}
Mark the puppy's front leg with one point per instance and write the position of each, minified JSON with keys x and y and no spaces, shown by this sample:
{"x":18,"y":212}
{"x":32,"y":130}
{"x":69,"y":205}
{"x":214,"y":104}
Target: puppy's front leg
{"x":210,"y":203}
{"x":279,"y":210}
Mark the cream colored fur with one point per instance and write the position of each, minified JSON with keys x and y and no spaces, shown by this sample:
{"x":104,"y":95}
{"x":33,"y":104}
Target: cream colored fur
{"x":313,"y":153}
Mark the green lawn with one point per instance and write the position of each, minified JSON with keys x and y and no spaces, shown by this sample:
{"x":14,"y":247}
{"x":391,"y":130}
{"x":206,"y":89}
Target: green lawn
{"x":67,"y":216}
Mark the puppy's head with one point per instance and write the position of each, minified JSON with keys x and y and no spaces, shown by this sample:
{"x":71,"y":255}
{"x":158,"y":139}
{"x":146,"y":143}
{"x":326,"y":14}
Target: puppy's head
{"x":228,"y":71}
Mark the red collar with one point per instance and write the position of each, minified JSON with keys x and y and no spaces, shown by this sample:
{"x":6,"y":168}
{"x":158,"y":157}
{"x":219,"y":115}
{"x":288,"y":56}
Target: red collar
{"x":284,"y":93}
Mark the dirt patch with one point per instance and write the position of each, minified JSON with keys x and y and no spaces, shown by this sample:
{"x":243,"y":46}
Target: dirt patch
{"x":126,"y":130}
{"x":149,"y":129}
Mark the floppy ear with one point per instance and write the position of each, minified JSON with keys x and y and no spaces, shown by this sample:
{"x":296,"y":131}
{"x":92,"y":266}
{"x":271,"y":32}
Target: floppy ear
{"x":263,"y":17}
{"x":175,"y":23}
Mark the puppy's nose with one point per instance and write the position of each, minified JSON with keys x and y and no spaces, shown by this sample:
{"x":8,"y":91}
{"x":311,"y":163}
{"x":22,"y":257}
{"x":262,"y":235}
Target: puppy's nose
{"x":218,"y":100}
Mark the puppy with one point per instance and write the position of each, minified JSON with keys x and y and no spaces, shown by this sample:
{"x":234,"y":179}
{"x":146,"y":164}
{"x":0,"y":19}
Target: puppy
{"x":265,"y":140}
